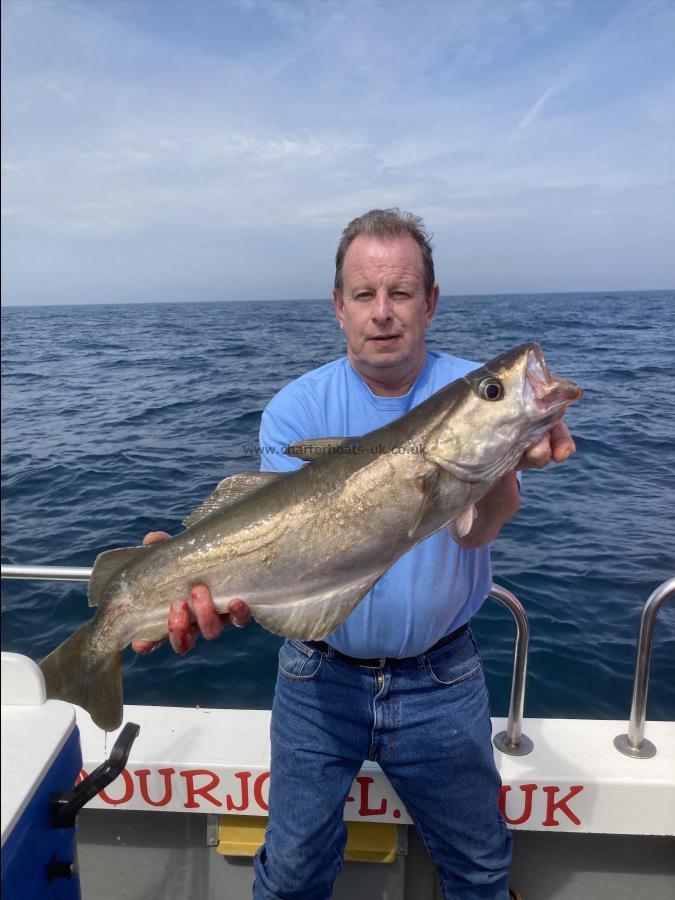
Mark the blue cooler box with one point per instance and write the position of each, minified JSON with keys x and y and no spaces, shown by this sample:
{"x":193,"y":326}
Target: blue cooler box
{"x":41,"y":756}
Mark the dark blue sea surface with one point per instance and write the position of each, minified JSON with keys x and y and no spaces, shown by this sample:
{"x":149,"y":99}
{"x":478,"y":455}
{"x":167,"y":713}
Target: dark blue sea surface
{"x":120,"y":419}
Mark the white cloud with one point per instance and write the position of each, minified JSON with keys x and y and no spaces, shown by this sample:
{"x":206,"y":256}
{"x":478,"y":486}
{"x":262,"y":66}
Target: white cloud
{"x":558,"y":86}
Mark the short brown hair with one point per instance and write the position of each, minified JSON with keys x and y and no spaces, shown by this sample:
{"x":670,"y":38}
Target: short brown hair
{"x":388,"y":223}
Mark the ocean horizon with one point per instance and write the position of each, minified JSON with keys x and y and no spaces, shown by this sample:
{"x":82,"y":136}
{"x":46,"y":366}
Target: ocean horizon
{"x":605,"y":293}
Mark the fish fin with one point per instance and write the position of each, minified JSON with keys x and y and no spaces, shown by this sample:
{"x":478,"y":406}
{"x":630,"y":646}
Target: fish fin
{"x":107,"y":567}
{"x":316,"y":448}
{"x":465,"y":520}
{"x":76,"y":673}
{"x":310,"y":620}
{"x":428,"y":484}
{"x":230,"y":491}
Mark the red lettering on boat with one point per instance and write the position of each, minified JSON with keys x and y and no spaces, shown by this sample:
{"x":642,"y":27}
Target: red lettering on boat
{"x":364,"y":782}
{"x":229,"y":802}
{"x":193,"y":791}
{"x":258,"y":788}
{"x":142,"y":775}
{"x":528,"y":790}
{"x":128,"y":790}
{"x":553,"y":805}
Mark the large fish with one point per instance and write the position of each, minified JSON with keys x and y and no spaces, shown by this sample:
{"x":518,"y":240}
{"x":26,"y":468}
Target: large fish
{"x":303,"y":548}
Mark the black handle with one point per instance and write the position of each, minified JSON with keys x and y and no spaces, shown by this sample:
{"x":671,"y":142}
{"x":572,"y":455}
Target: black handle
{"x":66,"y":805}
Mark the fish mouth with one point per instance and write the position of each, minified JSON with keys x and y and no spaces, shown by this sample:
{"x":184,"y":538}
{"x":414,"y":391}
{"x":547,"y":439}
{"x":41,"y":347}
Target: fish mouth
{"x":544,"y":393}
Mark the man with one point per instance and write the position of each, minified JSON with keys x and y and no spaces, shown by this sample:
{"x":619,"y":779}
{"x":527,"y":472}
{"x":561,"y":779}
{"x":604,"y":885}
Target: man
{"x":400,"y":681}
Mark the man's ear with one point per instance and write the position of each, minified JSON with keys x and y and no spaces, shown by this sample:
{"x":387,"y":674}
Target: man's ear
{"x":339,"y":307}
{"x":432,"y":303}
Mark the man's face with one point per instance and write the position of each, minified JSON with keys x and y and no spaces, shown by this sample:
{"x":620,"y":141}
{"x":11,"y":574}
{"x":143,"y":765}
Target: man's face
{"x":384,"y":309}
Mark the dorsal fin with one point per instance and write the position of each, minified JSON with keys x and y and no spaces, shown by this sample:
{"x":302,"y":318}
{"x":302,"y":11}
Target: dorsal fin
{"x":230,"y":491}
{"x":317,"y":448}
{"x":107,"y":567}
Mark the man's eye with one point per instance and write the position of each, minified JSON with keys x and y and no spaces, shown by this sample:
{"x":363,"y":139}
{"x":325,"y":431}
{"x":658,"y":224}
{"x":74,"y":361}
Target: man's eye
{"x":400,"y":295}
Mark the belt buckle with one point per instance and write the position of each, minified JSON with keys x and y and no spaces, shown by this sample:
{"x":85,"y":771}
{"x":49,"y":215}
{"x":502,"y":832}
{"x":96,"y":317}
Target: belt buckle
{"x":374,"y":663}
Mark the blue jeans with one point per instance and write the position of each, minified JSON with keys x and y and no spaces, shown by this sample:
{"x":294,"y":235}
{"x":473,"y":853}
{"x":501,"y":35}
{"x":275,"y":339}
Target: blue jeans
{"x":426,"y":721}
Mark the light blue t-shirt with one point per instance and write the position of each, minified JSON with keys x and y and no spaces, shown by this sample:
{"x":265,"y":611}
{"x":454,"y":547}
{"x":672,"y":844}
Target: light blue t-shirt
{"x":435,"y":587}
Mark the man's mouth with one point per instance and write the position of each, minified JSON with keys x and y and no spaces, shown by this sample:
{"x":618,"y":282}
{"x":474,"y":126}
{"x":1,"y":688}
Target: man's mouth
{"x":384,"y":338}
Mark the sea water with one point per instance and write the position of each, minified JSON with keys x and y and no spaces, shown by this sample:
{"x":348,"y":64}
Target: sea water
{"x":120,"y":419}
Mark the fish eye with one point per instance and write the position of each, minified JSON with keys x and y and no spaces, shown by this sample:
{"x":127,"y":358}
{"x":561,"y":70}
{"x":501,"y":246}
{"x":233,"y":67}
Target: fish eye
{"x":491,"y":389}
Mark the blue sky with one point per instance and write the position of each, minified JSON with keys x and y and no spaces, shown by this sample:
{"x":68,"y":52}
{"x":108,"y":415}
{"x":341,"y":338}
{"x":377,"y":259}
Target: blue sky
{"x":157,"y":150}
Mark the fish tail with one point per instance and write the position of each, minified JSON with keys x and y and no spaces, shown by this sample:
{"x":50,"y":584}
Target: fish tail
{"x":75,"y":672}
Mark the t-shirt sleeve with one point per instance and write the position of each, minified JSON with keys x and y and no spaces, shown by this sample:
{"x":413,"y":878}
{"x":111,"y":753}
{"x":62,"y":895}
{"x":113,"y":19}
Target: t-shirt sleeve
{"x":280,"y":426}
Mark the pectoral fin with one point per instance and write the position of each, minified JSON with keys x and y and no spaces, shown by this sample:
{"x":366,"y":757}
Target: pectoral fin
{"x":428,"y":485}
{"x":465,"y":520}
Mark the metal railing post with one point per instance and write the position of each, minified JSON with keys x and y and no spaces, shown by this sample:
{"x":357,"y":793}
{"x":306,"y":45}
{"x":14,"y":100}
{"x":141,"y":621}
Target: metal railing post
{"x":513,"y":741}
{"x":634,"y":743}
{"x":46,"y":573}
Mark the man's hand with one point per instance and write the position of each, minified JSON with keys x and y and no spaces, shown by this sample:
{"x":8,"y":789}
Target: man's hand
{"x":183,"y":633}
{"x":555,"y":446}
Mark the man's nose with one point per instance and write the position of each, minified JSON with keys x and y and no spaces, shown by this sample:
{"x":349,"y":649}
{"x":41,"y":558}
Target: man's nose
{"x":381,"y":309}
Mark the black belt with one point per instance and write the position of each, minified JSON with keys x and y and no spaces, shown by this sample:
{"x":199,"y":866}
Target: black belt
{"x":384,"y":660}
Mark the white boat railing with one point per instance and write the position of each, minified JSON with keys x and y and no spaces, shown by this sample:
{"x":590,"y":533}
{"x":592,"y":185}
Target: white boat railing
{"x":47,"y":573}
{"x":512,"y":741}
{"x":634,"y":743}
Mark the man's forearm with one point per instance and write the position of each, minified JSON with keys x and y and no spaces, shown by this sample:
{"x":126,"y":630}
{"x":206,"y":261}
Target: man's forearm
{"x":493,"y":511}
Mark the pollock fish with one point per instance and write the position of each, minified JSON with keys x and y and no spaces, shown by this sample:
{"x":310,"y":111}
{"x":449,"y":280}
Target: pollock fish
{"x":303,"y":548}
